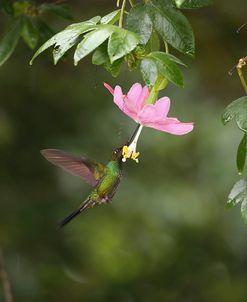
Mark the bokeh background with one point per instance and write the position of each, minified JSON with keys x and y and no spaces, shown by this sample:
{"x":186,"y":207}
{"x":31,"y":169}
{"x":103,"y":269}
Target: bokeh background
{"x":168,"y":235}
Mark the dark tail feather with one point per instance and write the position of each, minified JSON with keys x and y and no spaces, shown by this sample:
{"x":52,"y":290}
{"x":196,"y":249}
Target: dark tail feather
{"x":83,"y":207}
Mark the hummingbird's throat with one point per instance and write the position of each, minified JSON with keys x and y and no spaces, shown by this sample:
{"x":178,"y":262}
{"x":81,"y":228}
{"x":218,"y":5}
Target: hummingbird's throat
{"x":130,"y":150}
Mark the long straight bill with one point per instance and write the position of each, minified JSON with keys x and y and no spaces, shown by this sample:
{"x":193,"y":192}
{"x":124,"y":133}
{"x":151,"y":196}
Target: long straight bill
{"x":132,"y":137}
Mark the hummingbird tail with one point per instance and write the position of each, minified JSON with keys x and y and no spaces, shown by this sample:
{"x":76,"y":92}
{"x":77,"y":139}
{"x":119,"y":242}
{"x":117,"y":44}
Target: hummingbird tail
{"x":83,"y":207}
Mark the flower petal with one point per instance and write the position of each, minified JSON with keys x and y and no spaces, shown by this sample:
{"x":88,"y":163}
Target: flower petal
{"x":155,"y":113}
{"x":162,"y":107}
{"x":137,"y":96}
{"x":107,"y":86}
{"x":126,"y":110}
{"x":128,"y":105}
{"x":172,"y":126}
{"x":147,"y":114}
{"x":119,"y":97}
{"x":142,"y":99}
{"x":134,"y":92}
{"x":121,"y":101}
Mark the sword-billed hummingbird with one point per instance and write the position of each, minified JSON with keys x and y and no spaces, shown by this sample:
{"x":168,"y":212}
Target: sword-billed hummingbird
{"x":103,"y":178}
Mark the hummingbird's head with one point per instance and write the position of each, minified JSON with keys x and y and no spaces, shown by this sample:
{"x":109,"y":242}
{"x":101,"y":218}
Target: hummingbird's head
{"x":117,"y":153}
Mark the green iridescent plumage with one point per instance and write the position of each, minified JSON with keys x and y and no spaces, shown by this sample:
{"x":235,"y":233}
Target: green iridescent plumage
{"x":104,"y":179}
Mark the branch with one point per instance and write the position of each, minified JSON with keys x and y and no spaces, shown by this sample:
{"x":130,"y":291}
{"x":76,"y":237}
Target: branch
{"x":5,"y":280}
{"x":241,"y":64}
{"x":122,"y":14}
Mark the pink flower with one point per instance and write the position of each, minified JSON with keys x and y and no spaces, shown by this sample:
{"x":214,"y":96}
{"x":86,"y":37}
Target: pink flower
{"x":150,"y":115}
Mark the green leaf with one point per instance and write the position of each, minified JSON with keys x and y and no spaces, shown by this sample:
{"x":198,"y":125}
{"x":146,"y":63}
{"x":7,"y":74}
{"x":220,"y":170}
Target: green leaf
{"x":7,"y":7}
{"x":100,"y":56}
{"x":173,"y":27}
{"x":190,"y":4}
{"x":10,"y":40}
{"x":174,"y":59}
{"x":66,"y":38}
{"x":111,"y":18}
{"x":45,"y":32}
{"x":238,"y":193}
{"x":92,"y":41}
{"x":30,"y":33}
{"x":149,"y":71}
{"x":115,"y":67}
{"x":74,"y":31}
{"x":241,"y":154}
{"x":121,"y":42}
{"x":61,"y":10}
{"x":139,"y":21}
{"x":61,"y":48}
{"x":21,"y":7}
{"x":78,"y":26}
{"x":236,"y":110}
{"x":167,"y":67}
{"x":153,"y":43}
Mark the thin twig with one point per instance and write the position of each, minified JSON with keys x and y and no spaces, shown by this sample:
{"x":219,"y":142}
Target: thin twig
{"x":241,"y":64}
{"x":242,"y":26}
{"x":166,"y":47}
{"x":132,"y":4}
{"x":230,"y":72}
{"x":122,"y":14}
{"x":5,"y":280}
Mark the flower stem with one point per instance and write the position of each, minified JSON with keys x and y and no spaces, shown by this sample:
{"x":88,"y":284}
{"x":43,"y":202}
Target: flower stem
{"x":166,"y":47}
{"x":122,"y":14}
{"x":241,"y":63}
{"x":242,"y":79}
{"x":160,"y":84}
{"x":153,"y":95}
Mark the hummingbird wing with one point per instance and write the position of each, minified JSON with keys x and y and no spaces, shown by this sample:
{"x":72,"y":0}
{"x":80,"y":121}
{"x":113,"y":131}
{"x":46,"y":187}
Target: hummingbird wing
{"x":90,"y":171}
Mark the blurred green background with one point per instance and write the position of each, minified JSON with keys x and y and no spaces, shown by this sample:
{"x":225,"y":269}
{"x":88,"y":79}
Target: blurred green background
{"x":167,"y":236}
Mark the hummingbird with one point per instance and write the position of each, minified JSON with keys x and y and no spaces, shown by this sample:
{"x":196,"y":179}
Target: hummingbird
{"x":104,"y":179}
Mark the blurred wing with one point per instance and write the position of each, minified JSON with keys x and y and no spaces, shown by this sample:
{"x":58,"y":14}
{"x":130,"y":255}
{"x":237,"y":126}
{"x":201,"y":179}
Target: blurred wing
{"x":88,"y":170}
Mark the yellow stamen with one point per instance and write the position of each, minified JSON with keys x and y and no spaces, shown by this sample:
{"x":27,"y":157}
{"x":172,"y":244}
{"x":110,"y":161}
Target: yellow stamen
{"x":134,"y":155}
{"x":125,"y":152}
{"x":130,"y":153}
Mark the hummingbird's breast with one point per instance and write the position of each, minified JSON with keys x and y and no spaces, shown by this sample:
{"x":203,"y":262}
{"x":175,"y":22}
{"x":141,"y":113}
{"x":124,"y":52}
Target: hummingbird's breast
{"x":109,"y":183}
